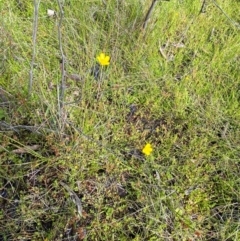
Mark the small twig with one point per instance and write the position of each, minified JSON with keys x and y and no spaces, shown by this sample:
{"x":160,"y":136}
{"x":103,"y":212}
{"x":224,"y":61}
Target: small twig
{"x":34,"y":39}
{"x":8,"y":127}
{"x":63,"y":72}
{"x":4,"y":127}
{"x":149,"y":12}
{"x":74,"y":197}
{"x":203,"y":7}
{"x":161,"y":51}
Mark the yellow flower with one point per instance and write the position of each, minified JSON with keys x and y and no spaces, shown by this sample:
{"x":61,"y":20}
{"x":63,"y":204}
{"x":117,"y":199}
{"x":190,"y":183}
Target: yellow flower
{"x":147,"y":150}
{"x":103,"y":59}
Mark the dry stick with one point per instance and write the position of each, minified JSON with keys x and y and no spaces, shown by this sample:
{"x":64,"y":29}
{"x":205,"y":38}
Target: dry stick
{"x":34,"y":39}
{"x":63,"y":76}
{"x":149,"y":14}
{"x":202,"y":10}
{"x":4,"y":126}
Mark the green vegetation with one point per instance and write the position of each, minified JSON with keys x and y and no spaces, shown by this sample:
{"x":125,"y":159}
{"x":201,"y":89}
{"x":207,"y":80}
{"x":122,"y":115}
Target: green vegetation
{"x":174,"y":84}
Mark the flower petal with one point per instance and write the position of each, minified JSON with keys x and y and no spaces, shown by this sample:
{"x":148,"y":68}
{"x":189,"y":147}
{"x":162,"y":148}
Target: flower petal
{"x":103,"y":59}
{"x":147,"y":150}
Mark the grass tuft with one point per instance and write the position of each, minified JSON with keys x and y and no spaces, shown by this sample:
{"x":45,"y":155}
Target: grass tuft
{"x":172,"y":83}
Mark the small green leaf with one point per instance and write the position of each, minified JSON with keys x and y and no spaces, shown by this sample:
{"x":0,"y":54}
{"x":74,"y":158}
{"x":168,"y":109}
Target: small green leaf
{"x":2,"y":113}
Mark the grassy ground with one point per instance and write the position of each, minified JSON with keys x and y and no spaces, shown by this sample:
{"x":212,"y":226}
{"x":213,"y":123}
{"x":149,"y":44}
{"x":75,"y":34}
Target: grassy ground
{"x":174,"y":85}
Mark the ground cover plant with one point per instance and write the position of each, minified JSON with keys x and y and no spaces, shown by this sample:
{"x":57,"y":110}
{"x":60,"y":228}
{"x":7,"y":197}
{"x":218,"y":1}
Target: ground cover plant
{"x":119,"y":121}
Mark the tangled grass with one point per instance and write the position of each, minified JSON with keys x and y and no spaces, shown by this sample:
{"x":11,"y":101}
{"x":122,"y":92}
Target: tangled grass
{"x":72,"y":132}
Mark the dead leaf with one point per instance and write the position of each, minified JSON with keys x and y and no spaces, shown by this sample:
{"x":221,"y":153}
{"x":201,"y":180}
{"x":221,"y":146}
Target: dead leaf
{"x":81,"y":231}
{"x":26,"y":149}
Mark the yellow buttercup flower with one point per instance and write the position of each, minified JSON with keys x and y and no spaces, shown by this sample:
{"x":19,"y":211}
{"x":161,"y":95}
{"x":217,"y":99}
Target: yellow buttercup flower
{"x":103,"y":59}
{"x":147,"y":150}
